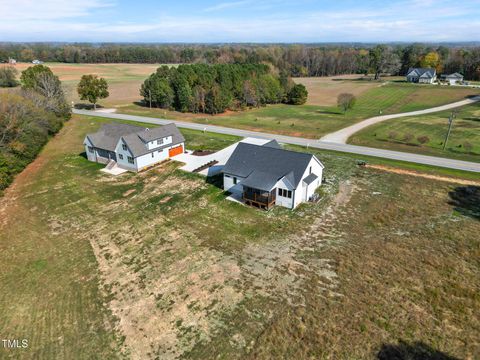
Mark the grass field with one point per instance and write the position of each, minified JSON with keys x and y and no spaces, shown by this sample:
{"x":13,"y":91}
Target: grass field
{"x":463,"y":143}
{"x":124,"y":80}
{"x":159,"y":264}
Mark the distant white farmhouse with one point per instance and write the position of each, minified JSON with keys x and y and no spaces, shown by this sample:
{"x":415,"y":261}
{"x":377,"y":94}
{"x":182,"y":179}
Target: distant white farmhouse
{"x":267,"y":175}
{"x":37,"y":62}
{"x":134,"y":148}
{"x":421,"y":75}
{"x":453,"y":79}
{"x":12,"y":61}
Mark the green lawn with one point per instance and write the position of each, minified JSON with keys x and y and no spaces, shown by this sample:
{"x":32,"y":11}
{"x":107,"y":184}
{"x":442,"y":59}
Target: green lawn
{"x":160,"y":265}
{"x":401,"y":134}
{"x":315,"y":121}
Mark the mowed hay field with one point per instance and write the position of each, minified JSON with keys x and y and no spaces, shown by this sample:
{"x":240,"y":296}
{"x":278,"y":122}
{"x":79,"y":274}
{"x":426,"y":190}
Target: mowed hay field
{"x":124,"y":80}
{"x":160,"y":265}
{"x":323,"y":91}
{"x":403,"y":134}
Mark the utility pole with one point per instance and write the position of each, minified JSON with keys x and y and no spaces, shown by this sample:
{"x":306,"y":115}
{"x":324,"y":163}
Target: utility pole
{"x":150,"y":97}
{"x":450,"y":124}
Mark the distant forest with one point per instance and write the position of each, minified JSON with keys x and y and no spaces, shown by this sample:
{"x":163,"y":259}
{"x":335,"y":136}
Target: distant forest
{"x":296,"y":60}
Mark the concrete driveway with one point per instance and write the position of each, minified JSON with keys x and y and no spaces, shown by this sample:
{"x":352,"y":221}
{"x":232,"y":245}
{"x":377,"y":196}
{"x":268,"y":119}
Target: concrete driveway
{"x":193,"y":162}
{"x":341,"y":136}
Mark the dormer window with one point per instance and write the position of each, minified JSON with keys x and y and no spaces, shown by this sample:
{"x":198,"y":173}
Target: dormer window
{"x":124,"y":147}
{"x":160,"y":141}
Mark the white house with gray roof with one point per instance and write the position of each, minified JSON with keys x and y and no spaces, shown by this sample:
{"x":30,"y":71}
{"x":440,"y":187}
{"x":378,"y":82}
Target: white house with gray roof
{"x":453,"y":79}
{"x":267,"y":175}
{"x":422,"y":75}
{"x":132,"y":147}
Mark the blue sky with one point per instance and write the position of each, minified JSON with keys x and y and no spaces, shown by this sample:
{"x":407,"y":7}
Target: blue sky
{"x":240,"y":20}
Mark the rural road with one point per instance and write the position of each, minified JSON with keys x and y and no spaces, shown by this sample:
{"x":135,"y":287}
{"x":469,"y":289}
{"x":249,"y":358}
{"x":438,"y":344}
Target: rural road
{"x":341,"y":136}
{"x":318,"y":144}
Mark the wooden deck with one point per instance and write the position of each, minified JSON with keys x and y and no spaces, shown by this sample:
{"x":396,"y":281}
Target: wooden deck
{"x":261,"y":199}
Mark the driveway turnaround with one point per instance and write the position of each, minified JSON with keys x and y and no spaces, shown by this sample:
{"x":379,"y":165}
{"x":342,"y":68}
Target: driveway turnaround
{"x":341,"y":136}
{"x":318,"y":144}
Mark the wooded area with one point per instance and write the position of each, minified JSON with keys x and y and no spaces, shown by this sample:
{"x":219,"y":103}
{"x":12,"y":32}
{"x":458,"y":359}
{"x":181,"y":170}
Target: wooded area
{"x":28,"y":118}
{"x":297,"y":60}
{"x":212,"y":89}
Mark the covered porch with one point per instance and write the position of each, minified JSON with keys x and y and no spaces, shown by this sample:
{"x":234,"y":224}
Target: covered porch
{"x":259,"y":198}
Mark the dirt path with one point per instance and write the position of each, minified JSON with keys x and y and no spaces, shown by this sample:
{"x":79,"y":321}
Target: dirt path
{"x":341,"y":136}
{"x":423,"y":175}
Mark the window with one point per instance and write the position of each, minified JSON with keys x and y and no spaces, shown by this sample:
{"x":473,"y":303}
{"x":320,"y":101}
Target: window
{"x":90,"y":149}
{"x":227,"y":175}
{"x":310,"y":169}
{"x":124,"y":147}
{"x":285,"y":193}
{"x":130,"y":160}
{"x":120,"y":156}
{"x":234,"y":180}
{"x":153,"y":154}
{"x":159,"y":141}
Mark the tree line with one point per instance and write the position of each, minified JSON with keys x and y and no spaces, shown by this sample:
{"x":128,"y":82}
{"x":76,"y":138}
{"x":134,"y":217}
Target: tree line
{"x":296,"y":60}
{"x":28,"y":118}
{"x":212,"y":89}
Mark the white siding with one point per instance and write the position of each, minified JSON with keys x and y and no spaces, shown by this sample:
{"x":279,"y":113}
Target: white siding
{"x":281,"y":200}
{"x":123,"y":163}
{"x":153,"y":144}
{"x":152,"y":158}
{"x":90,"y":154}
{"x":228,"y":184}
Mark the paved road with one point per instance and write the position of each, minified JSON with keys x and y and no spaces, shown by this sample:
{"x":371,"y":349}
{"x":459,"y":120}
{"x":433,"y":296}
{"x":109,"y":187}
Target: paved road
{"x":341,"y":136}
{"x":360,"y":150}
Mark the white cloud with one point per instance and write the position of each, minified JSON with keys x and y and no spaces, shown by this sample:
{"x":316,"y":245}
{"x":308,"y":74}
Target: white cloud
{"x":21,"y":10}
{"x":227,"y":5}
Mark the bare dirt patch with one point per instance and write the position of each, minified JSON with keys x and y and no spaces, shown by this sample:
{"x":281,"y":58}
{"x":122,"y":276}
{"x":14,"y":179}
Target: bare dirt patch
{"x":423,"y":175}
{"x":323,"y":91}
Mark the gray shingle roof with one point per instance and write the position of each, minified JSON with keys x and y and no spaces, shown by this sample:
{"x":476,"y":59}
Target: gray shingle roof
{"x":310,"y":179}
{"x":136,"y":141}
{"x":109,"y":134}
{"x":263,"y":166}
{"x":454,"y":76}
{"x":422,"y":72}
{"x":134,"y":136}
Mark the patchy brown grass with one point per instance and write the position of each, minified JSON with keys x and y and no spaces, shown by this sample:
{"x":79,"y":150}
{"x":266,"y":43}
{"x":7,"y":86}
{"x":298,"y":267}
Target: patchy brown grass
{"x":160,"y":265}
{"x":323,"y":91}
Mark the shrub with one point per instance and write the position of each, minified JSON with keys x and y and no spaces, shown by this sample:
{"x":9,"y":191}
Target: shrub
{"x":408,"y":137}
{"x":423,"y":139}
{"x":392,"y":135}
{"x":8,"y":75}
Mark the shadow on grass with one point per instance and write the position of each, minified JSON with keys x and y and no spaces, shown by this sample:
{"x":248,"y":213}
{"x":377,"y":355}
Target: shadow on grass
{"x":466,"y":200}
{"x":82,"y":106}
{"x":215,"y":180}
{"x":329,"y":112}
{"x":414,"y":351}
{"x":84,"y":155}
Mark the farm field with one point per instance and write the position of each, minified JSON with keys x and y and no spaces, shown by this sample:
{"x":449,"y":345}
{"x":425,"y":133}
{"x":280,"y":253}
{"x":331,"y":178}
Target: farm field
{"x":402,"y":134}
{"x":124,"y":80}
{"x":159,"y":264}
{"x":315,"y":121}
